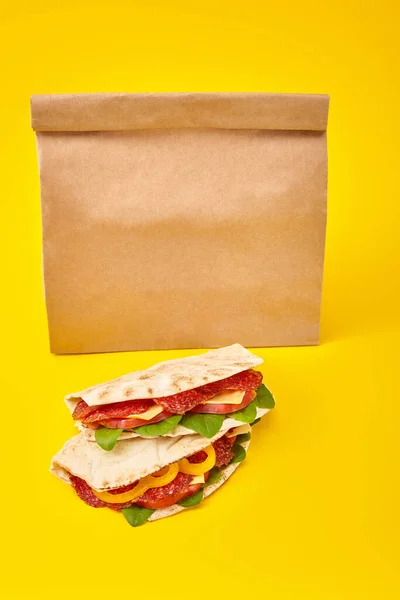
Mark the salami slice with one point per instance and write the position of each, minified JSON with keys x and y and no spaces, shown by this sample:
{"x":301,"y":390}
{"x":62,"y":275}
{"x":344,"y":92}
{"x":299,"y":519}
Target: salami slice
{"x":176,"y":404}
{"x":223,"y":450}
{"x":179,"y":484}
{"x":182,"y":402}
{"x":82,"y":410}
{"x":118,"y":410}
{"x":246,"y":381}
{"x":170,"y":494}
{"x":163,"y":496}
{"x":122,"y":490}
{"x":197,"y":458}
{"x":86,"y":494}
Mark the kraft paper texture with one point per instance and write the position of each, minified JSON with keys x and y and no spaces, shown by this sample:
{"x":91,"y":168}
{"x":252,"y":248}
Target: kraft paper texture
{"x":182,"y":220}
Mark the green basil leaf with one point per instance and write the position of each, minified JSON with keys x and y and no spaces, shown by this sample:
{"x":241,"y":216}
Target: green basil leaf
{"x":255,"y":422}
{"x":136,"y":515}
{"x":160,"y":428}
{"x":192,"y":500}
{"x":247,"y":414}
{"x":243,"y":437}
{"x":214,"y":476}
{"x":264,"y":398}
{"x":239,"y":453}
{"x":205,"y":425}
{"x":107,"y":438}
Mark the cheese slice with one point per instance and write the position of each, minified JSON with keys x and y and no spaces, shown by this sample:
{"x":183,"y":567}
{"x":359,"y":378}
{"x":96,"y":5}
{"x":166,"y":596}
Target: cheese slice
{"x":149,"y":414}
{"x":197,"y":479}
{"x":239,"y":430}
{"x":235,"y":397}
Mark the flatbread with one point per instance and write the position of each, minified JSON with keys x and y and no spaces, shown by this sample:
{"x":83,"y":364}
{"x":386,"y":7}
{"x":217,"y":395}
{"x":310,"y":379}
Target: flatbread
{"x":179,"y":430}
{"x":162,"y":513}
{"x":70,"y":453}
{"x":169,"y":377}
{"x":129,"y":461}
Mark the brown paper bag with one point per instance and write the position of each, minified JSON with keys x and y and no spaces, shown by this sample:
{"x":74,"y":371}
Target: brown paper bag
{"x":182,"y":220}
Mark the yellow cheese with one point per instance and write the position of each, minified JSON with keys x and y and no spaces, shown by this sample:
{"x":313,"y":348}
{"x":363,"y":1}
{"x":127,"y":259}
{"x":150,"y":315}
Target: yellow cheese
{"x":235,"y":397}
{"x":149,"y":414}
{"x":198,"y":479}
{"x":239,"y":430}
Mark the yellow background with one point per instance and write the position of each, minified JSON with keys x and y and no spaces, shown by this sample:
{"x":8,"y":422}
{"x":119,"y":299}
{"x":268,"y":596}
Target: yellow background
{"x":313,"y":513}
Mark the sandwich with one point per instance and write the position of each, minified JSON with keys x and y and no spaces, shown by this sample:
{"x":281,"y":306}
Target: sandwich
{"x":205,"y":394}
{"x":149,"y":479}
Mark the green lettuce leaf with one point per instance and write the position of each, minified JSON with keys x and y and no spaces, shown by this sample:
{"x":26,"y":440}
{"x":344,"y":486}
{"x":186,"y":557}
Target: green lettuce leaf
{"x":160,"y":428}
{"x":206,"y":425}
{"x":256,"y":421}
{"x":136,"y":515}
{"x":214,"y":476}
{"x":239,"y":453}
{"x":264,"y":398}
{"x":247,"y":414}
{"x":192,"y":500}
{"x":107,"y":438}
{"x":243,"y":437}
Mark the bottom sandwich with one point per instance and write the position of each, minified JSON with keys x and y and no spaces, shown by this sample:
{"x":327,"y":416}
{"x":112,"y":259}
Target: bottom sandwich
{"x":148,"y":479}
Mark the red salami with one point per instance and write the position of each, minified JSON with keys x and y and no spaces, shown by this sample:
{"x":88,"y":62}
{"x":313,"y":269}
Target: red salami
{"x":180,"y":482}
{"x":86,"y":494}
{"x":223,"y":450}
{"x":246,"y":381}
{"x":223,"y":454}
{"x":197,"y":458}
{"x":170,"y":494}
{"x":124,"y":489}
{"x":82,"y":410}
{"x":175,"y":404}
{"x":163,"y":496}
{"x":182,"y":402}
{"x":118,"y":410}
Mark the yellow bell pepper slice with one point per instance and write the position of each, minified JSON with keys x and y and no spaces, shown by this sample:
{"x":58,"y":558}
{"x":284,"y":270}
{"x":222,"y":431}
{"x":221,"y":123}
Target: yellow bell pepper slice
{"x":198,"y":468}
{"x":158,"y":479}
{"x":137,"y":491}
{"x":163,"y":477}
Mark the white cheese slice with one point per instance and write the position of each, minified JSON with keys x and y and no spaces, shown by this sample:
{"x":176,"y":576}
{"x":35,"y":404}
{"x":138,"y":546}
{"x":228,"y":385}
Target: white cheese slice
{"x":239,"y":430}
{"x":235,"y":397}
{"x":197,"y":479}
{"x":149,"y":414}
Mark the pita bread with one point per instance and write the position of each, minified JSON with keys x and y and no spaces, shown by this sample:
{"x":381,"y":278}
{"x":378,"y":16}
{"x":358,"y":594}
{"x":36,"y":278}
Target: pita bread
{"x":176,"y":432}
{"x":129,"y":461}
{"x":169,"y":377}
{"x":162,"y":513}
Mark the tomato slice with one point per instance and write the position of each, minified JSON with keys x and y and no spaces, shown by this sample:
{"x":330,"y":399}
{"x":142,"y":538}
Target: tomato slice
{"x":162,"y":497}
{"x":130,"y":423}
{"x":221,"y":409}
{"x":170,"y":500}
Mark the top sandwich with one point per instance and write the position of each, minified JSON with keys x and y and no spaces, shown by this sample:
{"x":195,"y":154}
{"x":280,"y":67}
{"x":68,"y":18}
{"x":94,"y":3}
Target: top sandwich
{"x":204,"y":394}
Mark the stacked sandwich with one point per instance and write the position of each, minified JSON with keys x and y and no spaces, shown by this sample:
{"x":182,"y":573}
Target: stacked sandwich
{"x":157,"y":441}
